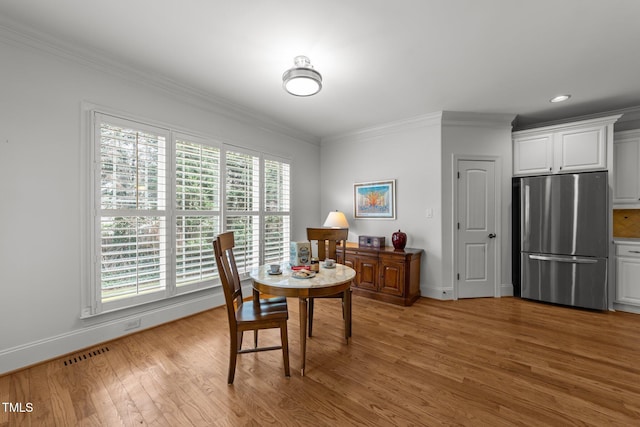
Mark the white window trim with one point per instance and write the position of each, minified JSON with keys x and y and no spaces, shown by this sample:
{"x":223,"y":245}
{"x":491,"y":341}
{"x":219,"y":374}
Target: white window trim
{"x":92,"y":304}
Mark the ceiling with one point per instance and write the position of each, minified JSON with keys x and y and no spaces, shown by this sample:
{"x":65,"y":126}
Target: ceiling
{"x":381,"y":60}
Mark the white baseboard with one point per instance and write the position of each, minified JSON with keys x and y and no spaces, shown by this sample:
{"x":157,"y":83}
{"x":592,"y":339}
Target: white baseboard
{"x":444,"y":294}
{"x":506,"y":290}
{"x":25,"y":355}
{"x":626,"y":307}
{"x":437,"y":293}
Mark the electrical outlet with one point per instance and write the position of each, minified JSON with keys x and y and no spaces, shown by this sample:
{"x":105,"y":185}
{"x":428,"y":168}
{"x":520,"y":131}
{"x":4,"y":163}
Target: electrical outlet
{"x":134,"y":324}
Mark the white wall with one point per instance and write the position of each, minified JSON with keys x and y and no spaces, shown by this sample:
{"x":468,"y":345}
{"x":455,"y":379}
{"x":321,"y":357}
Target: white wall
{"x":419,"y":154}
{"x":469,"y":134}
{"x":408,"y":151}
{"x":42,"y":203}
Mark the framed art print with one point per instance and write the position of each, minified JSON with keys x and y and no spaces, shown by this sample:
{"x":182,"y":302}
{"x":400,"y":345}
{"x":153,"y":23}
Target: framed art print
{"x":374,"y":200}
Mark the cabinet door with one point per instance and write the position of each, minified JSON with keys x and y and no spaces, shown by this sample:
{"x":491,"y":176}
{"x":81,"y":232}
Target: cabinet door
{"x":628,"y":280}
{"x":392,"y":277}
{"x":367,"y":273}
{"x":533,"y":154}
{"x":350,"y":261}
{"x":626,"y":171}
{"x":581,"y":149}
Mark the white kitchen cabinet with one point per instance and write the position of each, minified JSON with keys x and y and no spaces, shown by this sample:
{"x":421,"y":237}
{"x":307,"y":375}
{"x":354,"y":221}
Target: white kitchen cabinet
{"x":628,"y":274}
{"x":533,"y":154}
{"x":570,"y":147}
{"x":626,"y":168}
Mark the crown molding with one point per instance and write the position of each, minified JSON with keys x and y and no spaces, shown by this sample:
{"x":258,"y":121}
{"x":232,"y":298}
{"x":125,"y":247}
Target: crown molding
{"x":628,"y":115}
{"x":486,"y":120}
{"x":21,"y":36}
{"x":579,"y":122}
{"x":421,"y":121}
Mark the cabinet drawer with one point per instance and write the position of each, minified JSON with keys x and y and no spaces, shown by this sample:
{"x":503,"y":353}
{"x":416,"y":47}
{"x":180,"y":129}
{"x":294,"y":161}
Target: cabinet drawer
{"x":628,"y":250}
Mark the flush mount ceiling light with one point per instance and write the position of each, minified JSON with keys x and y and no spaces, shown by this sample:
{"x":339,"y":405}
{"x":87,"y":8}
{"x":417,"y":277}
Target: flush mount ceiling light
{"x":559,"y":98}
{"x":302,"y":80}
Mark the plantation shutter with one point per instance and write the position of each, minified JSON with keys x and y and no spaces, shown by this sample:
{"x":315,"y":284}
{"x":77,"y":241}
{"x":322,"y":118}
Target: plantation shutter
{"x":242,"y":207}
{"x":158,"y":199}
{"x":276,"y":211}
{"x":197,"y":210}
{"x":132,"y":204}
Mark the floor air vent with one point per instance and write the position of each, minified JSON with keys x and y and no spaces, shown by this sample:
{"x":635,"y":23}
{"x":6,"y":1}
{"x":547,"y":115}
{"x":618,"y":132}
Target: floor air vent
{"x":85,"y":356}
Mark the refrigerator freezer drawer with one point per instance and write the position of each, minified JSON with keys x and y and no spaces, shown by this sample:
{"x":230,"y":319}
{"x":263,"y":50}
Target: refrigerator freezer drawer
{"x":567,"y":280}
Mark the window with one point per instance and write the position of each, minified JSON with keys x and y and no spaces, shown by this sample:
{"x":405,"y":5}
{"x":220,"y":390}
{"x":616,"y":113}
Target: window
{"x":132,"y":204}
{"x":276,"y":211}
{"x":197,"y":210}
{"x":160,"y":197}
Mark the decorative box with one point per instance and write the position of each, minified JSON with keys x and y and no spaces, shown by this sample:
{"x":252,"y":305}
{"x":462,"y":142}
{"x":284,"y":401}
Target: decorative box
{"x":371,"y":242}
{"x":300,"y":253}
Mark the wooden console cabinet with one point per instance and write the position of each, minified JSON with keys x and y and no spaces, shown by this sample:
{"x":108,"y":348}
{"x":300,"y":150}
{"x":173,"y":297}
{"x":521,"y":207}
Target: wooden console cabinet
{"x":384,"y":274}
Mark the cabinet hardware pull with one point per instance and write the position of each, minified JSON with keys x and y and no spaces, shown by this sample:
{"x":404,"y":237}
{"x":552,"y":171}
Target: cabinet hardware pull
{"x":635,"y":252}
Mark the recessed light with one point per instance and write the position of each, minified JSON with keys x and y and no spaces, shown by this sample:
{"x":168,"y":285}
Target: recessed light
{"x":559,"y":98}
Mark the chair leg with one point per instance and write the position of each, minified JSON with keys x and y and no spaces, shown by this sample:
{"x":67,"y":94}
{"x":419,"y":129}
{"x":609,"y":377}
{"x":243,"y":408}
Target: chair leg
{"x":239,"y":343}
{"x":285,"y":348}
{"x":233,"y":355}
{"x":310,"y":316}
{"x":350,"y":311}
{"x":256,"y":300}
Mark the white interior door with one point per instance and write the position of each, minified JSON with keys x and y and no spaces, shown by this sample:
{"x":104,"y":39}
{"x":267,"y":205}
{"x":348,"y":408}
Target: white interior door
{"x":477,"y":239}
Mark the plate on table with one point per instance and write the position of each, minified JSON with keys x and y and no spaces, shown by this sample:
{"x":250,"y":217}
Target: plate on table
{"x":277,"y":273}
{"x":326,"y":266}
{"x":303,"y":274}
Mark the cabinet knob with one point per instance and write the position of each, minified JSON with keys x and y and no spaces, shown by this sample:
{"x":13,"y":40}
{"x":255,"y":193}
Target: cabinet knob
{"x":550,"y":169}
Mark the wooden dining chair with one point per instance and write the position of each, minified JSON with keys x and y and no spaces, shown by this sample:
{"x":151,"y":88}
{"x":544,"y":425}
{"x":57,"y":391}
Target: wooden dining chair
{"x":327,"y":239}
{"x":243,"y":316}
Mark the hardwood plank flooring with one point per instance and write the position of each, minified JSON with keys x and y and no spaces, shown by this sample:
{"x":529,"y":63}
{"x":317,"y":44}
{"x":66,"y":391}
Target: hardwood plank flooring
{"x":479,"y":362}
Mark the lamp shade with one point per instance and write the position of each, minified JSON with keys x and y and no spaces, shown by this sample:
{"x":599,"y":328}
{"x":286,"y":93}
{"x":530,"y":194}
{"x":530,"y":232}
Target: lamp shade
{"x":336,"y":219}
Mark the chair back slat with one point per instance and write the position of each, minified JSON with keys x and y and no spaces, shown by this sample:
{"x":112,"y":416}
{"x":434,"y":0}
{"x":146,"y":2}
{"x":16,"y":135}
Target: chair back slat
{"x":229,"y":277}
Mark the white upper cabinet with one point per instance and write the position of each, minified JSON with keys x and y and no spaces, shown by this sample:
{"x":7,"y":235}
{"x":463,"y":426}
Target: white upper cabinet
{"x":581,"y":149}
{"x":533,"y":154}
{"x":626,"y":168}
{"x":571,"y":147}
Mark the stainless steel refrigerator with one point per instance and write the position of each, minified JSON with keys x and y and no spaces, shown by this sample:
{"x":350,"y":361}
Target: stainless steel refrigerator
{"x":564,"y":239}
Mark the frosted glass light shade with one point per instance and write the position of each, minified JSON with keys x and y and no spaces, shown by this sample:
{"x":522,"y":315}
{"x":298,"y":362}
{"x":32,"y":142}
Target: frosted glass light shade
{"x":302,"y":80}
{"x":336,"y":219}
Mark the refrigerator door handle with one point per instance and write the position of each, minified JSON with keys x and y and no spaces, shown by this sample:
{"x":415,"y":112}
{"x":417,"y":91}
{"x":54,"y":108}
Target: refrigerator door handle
{"x":572,"y":260}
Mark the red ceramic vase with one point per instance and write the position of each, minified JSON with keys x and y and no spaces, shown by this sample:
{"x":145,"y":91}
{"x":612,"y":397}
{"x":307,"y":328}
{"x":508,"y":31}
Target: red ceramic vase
{"x":399,"y":239}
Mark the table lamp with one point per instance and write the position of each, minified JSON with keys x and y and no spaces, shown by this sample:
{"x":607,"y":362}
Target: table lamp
{"x":336,"y":219}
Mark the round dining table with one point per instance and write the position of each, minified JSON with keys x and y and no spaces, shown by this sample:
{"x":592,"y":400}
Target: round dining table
{"x":328,"y":281}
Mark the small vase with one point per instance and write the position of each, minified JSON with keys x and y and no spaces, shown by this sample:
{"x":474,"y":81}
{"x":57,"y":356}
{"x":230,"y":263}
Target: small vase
{"x":399,"y":239}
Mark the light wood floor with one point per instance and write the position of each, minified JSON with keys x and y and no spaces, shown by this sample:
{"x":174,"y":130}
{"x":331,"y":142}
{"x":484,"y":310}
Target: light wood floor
{"x":481,"y":362}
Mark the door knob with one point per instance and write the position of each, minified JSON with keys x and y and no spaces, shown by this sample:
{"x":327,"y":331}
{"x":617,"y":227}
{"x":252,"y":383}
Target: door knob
{"x":492,"y":235}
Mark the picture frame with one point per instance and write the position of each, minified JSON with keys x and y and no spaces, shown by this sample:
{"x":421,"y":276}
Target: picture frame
{"x":374,"y":200}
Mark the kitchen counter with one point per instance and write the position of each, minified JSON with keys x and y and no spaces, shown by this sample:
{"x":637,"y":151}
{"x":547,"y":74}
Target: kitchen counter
{"x":626,"y":240}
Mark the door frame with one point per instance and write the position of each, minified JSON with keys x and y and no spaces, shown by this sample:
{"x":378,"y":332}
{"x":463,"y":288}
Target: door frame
{"x":497,"y":162}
